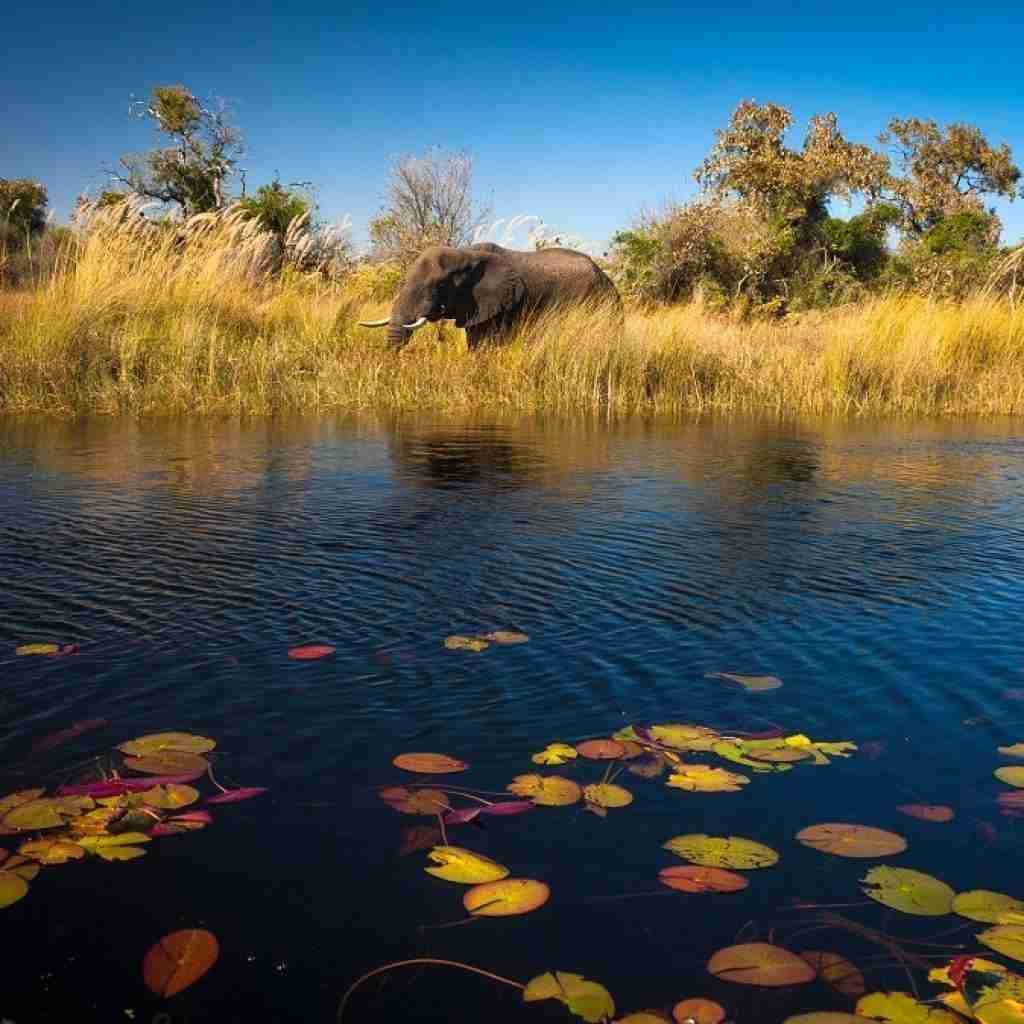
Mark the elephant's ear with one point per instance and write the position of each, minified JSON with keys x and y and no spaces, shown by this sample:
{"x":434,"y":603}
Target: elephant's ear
{"x":497,"y":289}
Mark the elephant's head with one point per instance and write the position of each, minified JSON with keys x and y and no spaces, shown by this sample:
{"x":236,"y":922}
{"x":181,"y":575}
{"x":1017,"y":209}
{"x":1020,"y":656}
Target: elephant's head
{"x":469,"y":285}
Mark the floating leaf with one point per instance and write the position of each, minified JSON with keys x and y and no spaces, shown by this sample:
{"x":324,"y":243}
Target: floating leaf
{"x":698,"y":1011}
{"x":988,"y":907}
{"x":506,"y":897}
{"x":95,"y":822}
{"x":721,"y":851}
{"x":693,"y":878}
{"x":600,"y":750}
{"x":851,"y":840}
{"x":837,"y":972}
{"x":1007,"y":939}
{"x":34,"y":815}
{"x":415,"y":801}
{"x":643,"y":1017}
{"x":650,"y":766}
{"x":760,"y":963}
{"x":734,"y":752}
{"x":164,"y":743}
{"x":191,"y":821}
{"x":987,"y":990}
{"x":778,"y":755}
{"x":169,"y":762}
{"x":27,"y":649}
{"x":507,"y":807}
{"x":546,"y":790}
{"x":584,"y":998}
{"x":755,"y":684}
{"x":818,"y":750}
{"x":96,"y":843}
{"x":234,"y":796}
{"x":310,"y":652}
{"x":505,"y":636}
{"x":119,"y":852}
{"x":702,"y":778}
{"x":912,"y":892}
{"x":23,"y":796}
{"x":418,"y":837}
{"x":170,"y":798}
{"x":604,"y":794}
{"x":1016,"y":750}
{"x":555,"y":753}
{"x":462,"y":815}
{"x":12,"y":888}
{"x":466,"y":643}
{"x":825,"y":1017}
{"x":24,"y":871}
{"x":460,"y":865}
{"x":902,"y":1008}
{"x":927,"y":812}
{"x":1012,"y":776}
{"x":179,"y":960}
{"x":683,"y":736}
{"x":51,"y":851}
{"x":429,"y":764}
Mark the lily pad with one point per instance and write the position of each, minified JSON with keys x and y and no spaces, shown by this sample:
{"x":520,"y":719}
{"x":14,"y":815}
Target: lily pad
{"x":51,"y":851}
{"x":911,"y":892}
{"x":179,"y":960}
{"x":505,"y":898}
{"x":845,"y":840}
{"x":698,"y":1011}
{"x":505,"y":637}
{"x":837,"y":972}
{"x":779,"y":755}
{"x":1007,"y":939}
{"x":753,"y":684}
{"x":604,"y":794}
{"x":12,"y":888}
{"x":161,"y":743}
{"x":903,"y":1008}
{"x":415,"y":801}
{"x":466,"y":643}
{"x":23,"y":796}
{"x":825,"y":1017}
{"x":702,"y":778}
{"x":683,"y":736}
{"x":555,"y":753}
{"x":460,"y":865}
{"x":429,"y":764}
{"x":734,"y":752}
{"x":1011,"y":776}
{"x":693,"y":878}
{"x":584,"y":998}
{"x":600,"y":750}
{"x":989,"y":907}
{"x":927,"y":812}
{"x":760,"y":963}
{"x":170,"y":798}
{"x":546,"y":790}
{"x":97,"y":843}
{"x":43,"y":649}
{"x":34,"y":815}
{"x":168,"y":762}
{"x":722,"y":851}
{"x":310,"y":652}
{"x":1015,"y":750}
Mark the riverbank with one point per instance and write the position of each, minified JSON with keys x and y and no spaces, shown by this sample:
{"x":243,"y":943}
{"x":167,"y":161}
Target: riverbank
{"x":130,"y":325}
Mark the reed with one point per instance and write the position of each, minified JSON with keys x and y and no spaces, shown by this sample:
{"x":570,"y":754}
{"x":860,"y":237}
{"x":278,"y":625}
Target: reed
{"x":149,"y":320}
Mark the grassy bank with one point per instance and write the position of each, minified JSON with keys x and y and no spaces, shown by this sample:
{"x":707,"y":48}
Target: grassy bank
{"x":152,"y":322}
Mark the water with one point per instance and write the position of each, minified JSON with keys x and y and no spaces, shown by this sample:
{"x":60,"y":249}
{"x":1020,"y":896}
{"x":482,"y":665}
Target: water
{"x":878,"y":570}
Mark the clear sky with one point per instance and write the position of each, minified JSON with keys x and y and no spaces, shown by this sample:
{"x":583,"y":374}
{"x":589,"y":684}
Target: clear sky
{"x":581,"y":114}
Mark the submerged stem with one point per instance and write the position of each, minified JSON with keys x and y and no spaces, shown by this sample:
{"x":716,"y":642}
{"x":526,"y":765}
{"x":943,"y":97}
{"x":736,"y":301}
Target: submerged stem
{"x":421,"y":960}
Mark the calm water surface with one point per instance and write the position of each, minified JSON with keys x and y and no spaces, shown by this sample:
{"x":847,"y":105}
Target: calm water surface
{"x":878,"y":570}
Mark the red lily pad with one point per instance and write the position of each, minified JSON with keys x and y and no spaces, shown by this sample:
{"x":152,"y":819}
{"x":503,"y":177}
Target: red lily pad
{"x":310,"y":652}
{"x":233,"y":796}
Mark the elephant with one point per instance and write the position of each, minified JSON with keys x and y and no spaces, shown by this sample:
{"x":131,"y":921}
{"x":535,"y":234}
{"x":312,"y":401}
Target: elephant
{"x":489,"y":290}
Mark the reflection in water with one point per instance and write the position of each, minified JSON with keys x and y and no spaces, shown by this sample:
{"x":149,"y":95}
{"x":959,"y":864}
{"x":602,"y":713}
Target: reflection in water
{"x":876,"y":569}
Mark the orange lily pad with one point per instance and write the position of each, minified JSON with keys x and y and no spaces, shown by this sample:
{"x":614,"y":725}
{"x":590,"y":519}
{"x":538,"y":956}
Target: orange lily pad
{"x":429,"y":764}
{"x":600,"y":750}
{"x":846,"y":840}
{"x":693,"y":878}
{"x":505,"y":898}
{"x":760,"y":963}
{"x":415,"y":801}
{"x":179,"y":960}
{"x":546,"y":790}
{"x":700,"y":1011}
{"x":927,"y":812}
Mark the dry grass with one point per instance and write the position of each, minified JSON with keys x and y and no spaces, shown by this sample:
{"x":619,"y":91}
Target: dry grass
{"x":150,"y":322}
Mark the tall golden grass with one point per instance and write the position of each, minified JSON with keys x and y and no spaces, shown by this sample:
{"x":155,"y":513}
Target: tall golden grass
{"x":151,"y":321}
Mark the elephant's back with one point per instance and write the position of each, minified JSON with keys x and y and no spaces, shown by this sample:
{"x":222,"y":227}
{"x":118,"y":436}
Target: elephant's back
{"x":576,"y":272}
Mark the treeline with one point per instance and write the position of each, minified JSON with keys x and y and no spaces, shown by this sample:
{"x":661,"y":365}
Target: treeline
{"x":759,"y":239}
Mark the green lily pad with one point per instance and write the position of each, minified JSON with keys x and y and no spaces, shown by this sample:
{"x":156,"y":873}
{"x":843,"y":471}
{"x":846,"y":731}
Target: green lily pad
{"x":911,"y":892}
{"x":989,"y":907}
{"x":721,"y":851}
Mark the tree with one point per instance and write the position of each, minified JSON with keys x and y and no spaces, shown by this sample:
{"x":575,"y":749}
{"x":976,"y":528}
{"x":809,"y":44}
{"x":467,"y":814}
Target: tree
{"x":945,"y":172}
{"x":428,"y":202}
{"x":22,"y":208}
{"x":193,"y":171}
{"x":275,"y":206}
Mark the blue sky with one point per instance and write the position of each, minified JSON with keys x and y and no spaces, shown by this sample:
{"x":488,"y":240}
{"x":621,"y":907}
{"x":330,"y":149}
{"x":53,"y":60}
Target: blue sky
{"x":581,"y":115}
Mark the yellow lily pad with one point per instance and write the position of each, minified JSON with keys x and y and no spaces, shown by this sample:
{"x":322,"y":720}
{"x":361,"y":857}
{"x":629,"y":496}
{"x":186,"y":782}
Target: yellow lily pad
{"x":989,"y":907}
{"x":902,"y":1008}
{"x":702,"y":778}
{"x":604,"y":794}
{"x":721,"y":851}
{"x":734,"y":752}
{"x":119,"y":852}
{"x":168,"y":762}
{"x":760,"y":963}
{"x":51,"y":851}
{"x":584,"y":998}
{"x":1011,"y":776}
{"x":96,"y":843}
{"x":466,"y":643}
{"x":1007,"y":939}
{"x":505,"y":637}
{"x":1015,"y":750}
{"x":28,"y":649}
{"x":460,"y":865}
{"x":23,"y":796}
{"x":911,"y":892}
{"x":170,"y":797}
{"x":546,"y":790}
{"x":682,"y":736}
{"x":12,"y":888}
{"x":160,"y":743}
{"x":33,"y":816}
{"x":506,"y":897}
{"x":555,"y":753}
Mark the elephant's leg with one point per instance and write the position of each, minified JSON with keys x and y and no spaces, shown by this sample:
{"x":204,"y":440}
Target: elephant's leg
{"x":476,"y":336}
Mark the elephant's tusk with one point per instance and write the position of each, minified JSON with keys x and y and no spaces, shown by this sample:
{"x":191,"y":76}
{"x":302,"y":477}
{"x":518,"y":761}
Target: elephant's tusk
{"x":374,"y":323}
{"x":419,"y":322}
